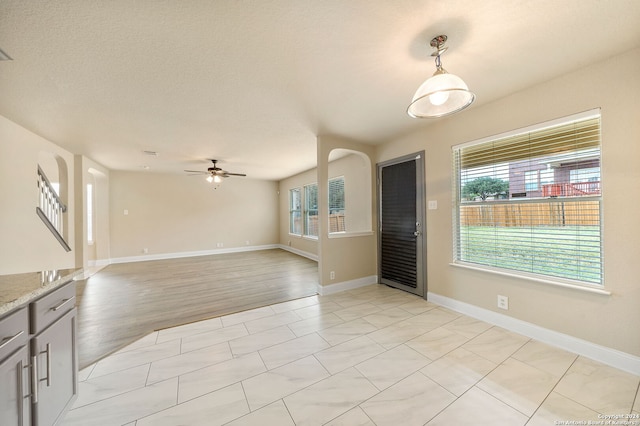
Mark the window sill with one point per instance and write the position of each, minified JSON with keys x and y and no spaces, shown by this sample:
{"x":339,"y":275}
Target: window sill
{"x":350,"y":234}
{"x":310,"y":237}
{"x":581,"y":287}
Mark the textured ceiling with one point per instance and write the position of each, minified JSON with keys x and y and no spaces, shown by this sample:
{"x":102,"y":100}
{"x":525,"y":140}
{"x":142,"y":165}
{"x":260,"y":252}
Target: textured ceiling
{"x":252,"y":83}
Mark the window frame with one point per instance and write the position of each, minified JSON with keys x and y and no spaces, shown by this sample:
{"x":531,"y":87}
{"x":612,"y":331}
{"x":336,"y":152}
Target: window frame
{"x":535,"y":274}
{"x":295,"y":212}
{"x":307,"y":210}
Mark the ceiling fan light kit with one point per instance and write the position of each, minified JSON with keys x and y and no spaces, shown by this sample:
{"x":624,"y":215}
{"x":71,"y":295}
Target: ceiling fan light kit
{"x":215,"y":173}
{"x":443,"y":93}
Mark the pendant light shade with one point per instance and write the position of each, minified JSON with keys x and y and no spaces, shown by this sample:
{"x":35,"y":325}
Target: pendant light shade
{"x":443,"y":93}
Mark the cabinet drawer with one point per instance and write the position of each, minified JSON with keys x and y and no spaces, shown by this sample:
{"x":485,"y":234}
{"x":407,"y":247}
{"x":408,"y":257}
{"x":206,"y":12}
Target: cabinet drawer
{"x":52,"y":306}
{"x":13,"y":332}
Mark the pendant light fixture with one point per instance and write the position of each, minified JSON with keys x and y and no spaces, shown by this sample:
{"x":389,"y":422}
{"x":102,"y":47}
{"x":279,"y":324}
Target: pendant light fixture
{"x":443,"y":93}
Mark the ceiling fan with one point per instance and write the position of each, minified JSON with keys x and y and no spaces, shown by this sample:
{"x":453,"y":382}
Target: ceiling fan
{"x":215,"y":173}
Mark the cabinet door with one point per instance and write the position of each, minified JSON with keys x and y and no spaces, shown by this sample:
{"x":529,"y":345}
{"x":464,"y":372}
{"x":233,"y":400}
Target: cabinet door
{"x":57,"y":377}
{"x":15,"y":404}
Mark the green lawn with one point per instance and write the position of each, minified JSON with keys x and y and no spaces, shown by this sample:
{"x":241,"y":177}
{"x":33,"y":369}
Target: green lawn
{"x":564,"y":251}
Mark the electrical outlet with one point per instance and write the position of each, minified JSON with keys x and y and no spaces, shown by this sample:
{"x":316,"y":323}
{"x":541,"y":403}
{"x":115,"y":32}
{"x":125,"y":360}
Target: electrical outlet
{"x":332,"y":275}
{"x":219,"y":245}
{"x":246,"y":243}
{"x":145,"y":250}
{"x":503,"y":302}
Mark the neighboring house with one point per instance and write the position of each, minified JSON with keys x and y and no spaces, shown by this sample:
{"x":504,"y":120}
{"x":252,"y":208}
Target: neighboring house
{"x":553,"y":177}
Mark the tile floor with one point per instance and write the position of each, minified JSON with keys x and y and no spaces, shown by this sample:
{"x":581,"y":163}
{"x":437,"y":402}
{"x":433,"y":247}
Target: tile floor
{"x":371,"y":356}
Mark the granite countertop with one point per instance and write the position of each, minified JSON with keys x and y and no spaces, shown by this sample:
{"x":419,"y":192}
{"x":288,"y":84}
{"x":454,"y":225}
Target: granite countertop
{"x":19,"y":289}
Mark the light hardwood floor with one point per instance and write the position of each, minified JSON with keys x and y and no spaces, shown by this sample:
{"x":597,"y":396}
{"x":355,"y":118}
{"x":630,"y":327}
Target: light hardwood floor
{"x":124,"y":302}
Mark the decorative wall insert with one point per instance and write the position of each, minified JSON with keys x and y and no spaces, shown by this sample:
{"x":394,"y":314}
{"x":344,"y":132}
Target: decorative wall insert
{"x":51,"y":208}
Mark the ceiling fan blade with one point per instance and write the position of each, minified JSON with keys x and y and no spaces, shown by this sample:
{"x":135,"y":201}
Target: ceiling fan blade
{"x":235,"y":174}
{"x":200,"y":172}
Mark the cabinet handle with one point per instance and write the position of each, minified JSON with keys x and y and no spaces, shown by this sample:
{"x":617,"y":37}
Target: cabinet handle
{"x":34,"y":379}
{"x":21,"y":390}
{"x":61,"y":304}
{"x":8,"y":340}
{"x":48,"y":352}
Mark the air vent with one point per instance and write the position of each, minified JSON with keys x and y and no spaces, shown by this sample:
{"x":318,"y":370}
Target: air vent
{"x":151,"y":153}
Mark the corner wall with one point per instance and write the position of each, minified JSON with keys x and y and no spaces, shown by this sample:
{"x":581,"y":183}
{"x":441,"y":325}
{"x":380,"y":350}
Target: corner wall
{"x":612,"y":321}
{"x":26,"y":245}
{"x":352,"y":258}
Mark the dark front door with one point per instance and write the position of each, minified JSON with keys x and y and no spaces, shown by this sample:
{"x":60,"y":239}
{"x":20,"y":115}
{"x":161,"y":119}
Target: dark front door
{"x":401,"y":223}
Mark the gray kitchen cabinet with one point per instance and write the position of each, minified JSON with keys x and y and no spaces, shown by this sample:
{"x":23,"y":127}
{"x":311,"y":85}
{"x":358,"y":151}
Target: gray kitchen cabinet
{"x":14,"y":379}
{"x":38,"y":360}
{"x":54,"y":353}
{"x":15,"y":403}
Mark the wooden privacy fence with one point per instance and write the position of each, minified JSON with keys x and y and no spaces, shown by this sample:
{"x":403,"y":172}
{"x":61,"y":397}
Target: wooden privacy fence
{"x":562,"y":213}
{"x":336,"y":224}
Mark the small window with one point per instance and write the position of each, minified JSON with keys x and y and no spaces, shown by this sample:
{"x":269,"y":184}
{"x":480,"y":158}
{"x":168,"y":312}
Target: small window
{"x":311,"y":210}
{"x":336,"y":205}
{"x":531,"y":180}
{"x":530,"y":202}
{"x":295,"y":219}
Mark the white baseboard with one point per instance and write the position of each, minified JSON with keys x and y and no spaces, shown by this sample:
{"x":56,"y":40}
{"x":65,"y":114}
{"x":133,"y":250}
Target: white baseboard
{"x":347,"y":285}
{"x":99,"y":263}
{"x":299,"y":252}
{"x":603,"y":354}
{"x":162,"y":256}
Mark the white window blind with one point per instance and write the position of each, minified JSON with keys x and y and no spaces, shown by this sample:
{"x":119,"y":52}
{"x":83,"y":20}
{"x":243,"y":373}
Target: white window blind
{"x":311,"y":210}
{"x":336,"y":205}
{"x":531,"y":202}
{"x":295,"y":219}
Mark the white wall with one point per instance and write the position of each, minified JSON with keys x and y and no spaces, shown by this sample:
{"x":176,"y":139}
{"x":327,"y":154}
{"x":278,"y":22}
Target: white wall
{"x":173,"y":213}
{"x":612,"y":321}
{"x":26,"y":245}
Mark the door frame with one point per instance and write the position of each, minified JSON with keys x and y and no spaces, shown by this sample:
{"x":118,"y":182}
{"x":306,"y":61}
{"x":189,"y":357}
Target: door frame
{"x":421,"y":216}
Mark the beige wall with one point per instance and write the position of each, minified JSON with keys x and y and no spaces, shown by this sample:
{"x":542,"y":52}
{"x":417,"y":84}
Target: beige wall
{"x":612,"y":321}
{"x":170,"y":213}
{"x":353,"y":257}
{"x":26,"y":245}
{"x":356,"y":169}
{"x":358,"y":198}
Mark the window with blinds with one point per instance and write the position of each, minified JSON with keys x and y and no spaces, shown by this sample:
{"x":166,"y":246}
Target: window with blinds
{"x":311,"y":210}
{"x":295,"y":214}
{"x":530,"y":201}
{"x":336,"y":205}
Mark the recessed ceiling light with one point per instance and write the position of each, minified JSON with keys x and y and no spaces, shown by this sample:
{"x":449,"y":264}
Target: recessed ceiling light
{"x":151,"y":153}
{"x":4,"y":56}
